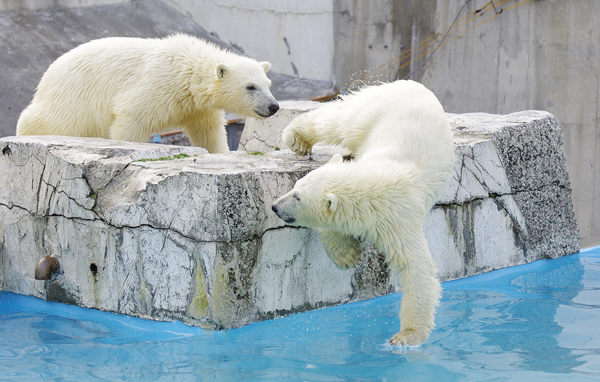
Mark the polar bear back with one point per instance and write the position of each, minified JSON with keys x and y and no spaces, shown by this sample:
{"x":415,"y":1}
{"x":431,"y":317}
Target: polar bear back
{"x":83,"y":90}
{"x":400,"y":124}
{"x":60,"y":88}
{"x":406,"y":119}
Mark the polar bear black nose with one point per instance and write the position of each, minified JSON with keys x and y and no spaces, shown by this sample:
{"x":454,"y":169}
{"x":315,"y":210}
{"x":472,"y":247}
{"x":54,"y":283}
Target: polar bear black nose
{"x":274,"y":208}
{"x":273,"y":108}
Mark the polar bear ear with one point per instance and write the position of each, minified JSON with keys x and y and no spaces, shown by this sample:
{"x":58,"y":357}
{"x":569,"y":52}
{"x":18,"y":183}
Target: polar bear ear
{"x":265,"y":65}
{"x":337,"y":158}
{"x":332,"y":201}
{"x":221,"y":71}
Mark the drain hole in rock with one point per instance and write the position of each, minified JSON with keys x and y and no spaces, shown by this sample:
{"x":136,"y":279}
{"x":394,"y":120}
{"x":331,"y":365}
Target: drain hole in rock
{"x":94,"y":268}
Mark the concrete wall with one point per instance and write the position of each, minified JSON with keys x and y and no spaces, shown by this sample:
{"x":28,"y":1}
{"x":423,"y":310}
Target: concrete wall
{"x":368,"y":36}
{"x":295,"y":36}
{"x":540,"y":55}
{"x":322,"y":40}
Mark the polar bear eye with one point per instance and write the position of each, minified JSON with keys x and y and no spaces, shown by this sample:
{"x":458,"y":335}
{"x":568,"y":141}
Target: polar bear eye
{"x":251,"y":87}
{"x":296,"y":196}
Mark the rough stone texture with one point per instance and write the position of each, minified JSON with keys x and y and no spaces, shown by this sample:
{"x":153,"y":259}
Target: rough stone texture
{"x":194,"y":238}
{"x":264,"y":135}
{"x":191,"y":239}
{"x":509,"y":201}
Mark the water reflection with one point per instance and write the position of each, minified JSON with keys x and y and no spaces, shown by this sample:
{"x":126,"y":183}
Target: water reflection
{"x":580,"y":320}
{"x":508,"y":324}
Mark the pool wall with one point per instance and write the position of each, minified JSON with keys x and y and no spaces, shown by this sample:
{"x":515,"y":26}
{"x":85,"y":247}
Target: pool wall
{"x":139,"y":230}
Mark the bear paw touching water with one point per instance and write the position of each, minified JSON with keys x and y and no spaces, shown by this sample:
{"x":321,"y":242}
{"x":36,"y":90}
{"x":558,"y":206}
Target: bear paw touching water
{"x":132,"y":88}
{"x":403,"y":152}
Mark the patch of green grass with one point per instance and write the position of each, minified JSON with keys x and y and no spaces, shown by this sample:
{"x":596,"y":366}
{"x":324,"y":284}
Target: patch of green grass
{"x":255,"y":153}
{"x":178,"y":156}
{"x":277,"y":148}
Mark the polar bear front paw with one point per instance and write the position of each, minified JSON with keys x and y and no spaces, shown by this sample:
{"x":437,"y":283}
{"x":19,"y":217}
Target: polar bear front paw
{"x":343,"y":250}
{"x":410,"y":337}
{"x":295,"y":142}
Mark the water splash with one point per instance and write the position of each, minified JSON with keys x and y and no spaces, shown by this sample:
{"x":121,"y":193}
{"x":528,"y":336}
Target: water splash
{"x":359,"y":80}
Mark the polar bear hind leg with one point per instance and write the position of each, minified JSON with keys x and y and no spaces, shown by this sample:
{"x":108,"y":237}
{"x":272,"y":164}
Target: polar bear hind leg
{"x":124,"y":128}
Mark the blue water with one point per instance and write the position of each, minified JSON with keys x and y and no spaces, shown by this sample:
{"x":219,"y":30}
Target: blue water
{"x":536,"y":322}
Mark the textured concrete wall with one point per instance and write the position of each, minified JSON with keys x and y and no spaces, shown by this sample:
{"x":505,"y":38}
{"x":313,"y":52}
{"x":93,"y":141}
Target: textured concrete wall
{"x":323,"y":40}
{"x":540,"y":55}
{"x":297,"y":37}
{"x":369,"y":35}
{"x":195,"y":239}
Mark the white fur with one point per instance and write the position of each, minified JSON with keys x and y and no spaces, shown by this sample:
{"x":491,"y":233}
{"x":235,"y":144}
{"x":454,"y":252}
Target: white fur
{"x":132,"y":88}
{"x":404,"y":152}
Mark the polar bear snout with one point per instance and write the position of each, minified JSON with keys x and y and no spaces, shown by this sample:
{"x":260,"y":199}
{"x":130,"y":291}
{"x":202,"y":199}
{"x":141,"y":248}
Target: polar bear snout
{"x":282,"y":214}
{"x":273,"y":108}
{"x":268,"y":111}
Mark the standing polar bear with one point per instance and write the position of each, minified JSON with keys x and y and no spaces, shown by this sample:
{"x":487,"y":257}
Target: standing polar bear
{"x":404,"y":153}
{"x":131,"y":88}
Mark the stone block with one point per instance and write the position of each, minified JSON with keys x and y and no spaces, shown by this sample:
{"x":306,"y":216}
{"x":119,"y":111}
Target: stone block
{"x":143,"y":230}
{"x":264,"y":135}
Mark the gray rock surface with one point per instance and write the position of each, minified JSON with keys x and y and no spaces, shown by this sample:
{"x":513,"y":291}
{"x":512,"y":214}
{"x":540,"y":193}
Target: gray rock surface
{"x":530,"y":147}
{"x":192,"y":237}
{"x":264,"y":135}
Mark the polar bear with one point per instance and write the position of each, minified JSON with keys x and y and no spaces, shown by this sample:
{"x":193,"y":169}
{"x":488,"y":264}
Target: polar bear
{"x":131,"y":88}
{"x":403,"y":152}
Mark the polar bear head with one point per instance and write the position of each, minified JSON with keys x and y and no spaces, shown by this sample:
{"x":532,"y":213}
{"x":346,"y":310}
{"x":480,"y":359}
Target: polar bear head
{"x":243,"y":88}
{"x":315,"y":199}
{"x":354,"y":197}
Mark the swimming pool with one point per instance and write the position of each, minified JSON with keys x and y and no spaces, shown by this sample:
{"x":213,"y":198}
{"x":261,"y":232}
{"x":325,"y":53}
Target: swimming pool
{"x":535,"y":322}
